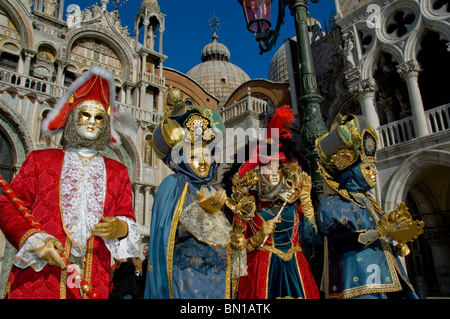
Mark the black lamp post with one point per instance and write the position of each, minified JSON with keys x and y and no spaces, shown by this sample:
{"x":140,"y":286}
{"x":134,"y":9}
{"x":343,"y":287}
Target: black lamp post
{"x":257,"y":15}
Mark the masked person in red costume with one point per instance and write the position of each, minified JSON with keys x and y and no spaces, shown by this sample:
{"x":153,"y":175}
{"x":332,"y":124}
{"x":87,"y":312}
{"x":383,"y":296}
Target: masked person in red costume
{"x":82,"y":199}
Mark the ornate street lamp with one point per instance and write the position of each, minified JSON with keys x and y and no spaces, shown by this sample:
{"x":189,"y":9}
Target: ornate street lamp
{"x":257,"y":15}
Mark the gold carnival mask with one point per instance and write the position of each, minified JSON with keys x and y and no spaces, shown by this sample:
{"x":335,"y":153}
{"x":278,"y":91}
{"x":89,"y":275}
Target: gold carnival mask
{"x":200,"y":161}
{"x":292,"y":183}
{"x":90,"y":119}
{"x":369,"y":171}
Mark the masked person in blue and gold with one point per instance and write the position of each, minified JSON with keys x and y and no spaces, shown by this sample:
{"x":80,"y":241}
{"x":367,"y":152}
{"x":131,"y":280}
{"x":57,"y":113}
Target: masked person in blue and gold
{"x":189,"y":248}
{"x":362,"y":243}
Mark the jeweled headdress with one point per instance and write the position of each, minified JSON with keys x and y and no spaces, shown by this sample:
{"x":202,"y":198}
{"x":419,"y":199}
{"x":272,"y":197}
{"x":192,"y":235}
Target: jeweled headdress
{"x":350,"y":139}
{"x":186,"y":124}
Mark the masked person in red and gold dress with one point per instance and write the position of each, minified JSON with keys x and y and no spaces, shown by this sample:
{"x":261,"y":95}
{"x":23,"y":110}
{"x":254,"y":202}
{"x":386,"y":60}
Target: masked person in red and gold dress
{"x":82,"y":200}
{"x":270,"y":197}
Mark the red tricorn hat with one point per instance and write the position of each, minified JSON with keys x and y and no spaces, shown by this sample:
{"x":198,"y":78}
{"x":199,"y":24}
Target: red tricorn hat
{"x":95,"y":84}
{"x":279,"y":128}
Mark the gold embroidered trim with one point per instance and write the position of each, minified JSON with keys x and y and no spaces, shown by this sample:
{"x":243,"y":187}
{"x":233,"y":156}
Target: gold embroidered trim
{"x":88,"y":266}
{"x":7,"y":290}
{"x":335,"y":186}
{"x":228,"y":277}
{"x":393,"y":266}
{"x":63,"y":281}
{"x":172,"y":233}
{"x":283,"y":255}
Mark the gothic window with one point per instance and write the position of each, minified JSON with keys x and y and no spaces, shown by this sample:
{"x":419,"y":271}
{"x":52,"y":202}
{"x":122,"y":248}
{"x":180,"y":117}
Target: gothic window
{"x":366,"y":40}
{"x":401,"y":22}
{"x":6,"y":159}
{"x":8,"y":61}
{"x":149,"y":154}
{"x":442,"y":5}
{"x":434,"y":60}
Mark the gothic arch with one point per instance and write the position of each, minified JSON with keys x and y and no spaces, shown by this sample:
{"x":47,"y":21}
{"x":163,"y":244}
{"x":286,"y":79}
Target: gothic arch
{"x":370,"y":65}
{"x":406,"y":175}
{"x":413,"y":45}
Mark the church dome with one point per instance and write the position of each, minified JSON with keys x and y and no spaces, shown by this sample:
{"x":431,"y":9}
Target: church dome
{"x":216,"y":74}
{"x":278,"y":68}
{"x":215,"y":51}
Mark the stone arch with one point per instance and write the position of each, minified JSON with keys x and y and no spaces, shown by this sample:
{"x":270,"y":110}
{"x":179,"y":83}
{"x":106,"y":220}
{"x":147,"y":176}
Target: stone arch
{"x":413,"y":44}
{"x":370,"y":65}
{"x":116,"y":43}
{"x":22,"y":23}
{"x":128,"y":154}
{"x":407,"y":174}
{"x":16,"y":130}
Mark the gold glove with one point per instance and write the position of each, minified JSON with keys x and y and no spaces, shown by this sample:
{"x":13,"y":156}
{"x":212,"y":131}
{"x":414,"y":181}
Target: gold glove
{"x":305,"y":198}
{"x":49,"y":252}
{"x":267,"y":229}
{"x":214,"y":203}
{"x":399,"y":225}
{"x":402,"y":249}
{"x":110,"y":228}
{"x":238,"y":242}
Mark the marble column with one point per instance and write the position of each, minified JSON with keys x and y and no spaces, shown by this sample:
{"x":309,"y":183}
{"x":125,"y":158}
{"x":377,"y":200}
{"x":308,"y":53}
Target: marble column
{"x":409,"y":71}
{"x":365,"y":91}
{"x":137,"y":202}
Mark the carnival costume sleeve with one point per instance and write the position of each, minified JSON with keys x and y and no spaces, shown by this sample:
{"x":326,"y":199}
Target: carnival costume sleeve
{"x":16,"y":229}
{"x":126,"y":247}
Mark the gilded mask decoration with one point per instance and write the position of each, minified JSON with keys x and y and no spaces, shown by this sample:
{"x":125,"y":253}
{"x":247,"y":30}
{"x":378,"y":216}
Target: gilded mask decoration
{"x":292,"y":182}
{"x":369,"y":172}
{"x":242,"y":203}
{"x":90,"y":119}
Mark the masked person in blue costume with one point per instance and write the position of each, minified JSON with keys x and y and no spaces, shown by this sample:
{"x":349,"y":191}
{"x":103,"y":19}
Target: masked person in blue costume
{"x":189,"y":248}
{"x":362,"y":243}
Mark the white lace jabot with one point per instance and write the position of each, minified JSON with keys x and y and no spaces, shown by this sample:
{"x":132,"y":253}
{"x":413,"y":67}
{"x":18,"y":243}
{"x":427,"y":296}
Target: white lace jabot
{"x":83,"y":189}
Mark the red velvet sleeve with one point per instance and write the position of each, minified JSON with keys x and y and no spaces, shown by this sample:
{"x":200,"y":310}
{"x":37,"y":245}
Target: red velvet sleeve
{"x":12,"y":223}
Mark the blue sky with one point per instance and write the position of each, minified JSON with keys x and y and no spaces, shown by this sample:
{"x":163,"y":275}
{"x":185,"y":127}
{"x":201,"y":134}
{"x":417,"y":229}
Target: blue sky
{"x":187,"y":30}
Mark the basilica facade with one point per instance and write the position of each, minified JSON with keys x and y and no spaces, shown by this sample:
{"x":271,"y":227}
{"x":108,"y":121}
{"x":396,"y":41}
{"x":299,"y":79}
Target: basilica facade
{"x":384,"y":59}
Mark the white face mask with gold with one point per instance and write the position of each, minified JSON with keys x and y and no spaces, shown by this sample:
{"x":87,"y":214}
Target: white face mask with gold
{"x":90,"y":119}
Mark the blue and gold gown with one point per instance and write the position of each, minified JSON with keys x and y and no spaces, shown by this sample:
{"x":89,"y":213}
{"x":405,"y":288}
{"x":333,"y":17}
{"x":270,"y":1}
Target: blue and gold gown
{"x":189,"y":250}
{"x":353,"y":269}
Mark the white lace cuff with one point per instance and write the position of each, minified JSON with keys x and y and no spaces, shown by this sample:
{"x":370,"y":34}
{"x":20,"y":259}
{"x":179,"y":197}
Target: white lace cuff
{"x":27,"y":257}
{"x":128,"y":246}
{"x":239,"y":263}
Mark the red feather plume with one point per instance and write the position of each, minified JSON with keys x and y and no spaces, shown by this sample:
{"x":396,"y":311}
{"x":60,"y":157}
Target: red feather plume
{"x":283,"y":120}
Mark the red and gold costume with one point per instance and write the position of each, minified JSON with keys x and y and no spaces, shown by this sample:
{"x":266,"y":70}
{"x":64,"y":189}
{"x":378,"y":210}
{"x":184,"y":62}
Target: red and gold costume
{"x":38,"y":185}
{"x":70,"y":193}
{"x":270,"y":197}
{"x":279,"y":268}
